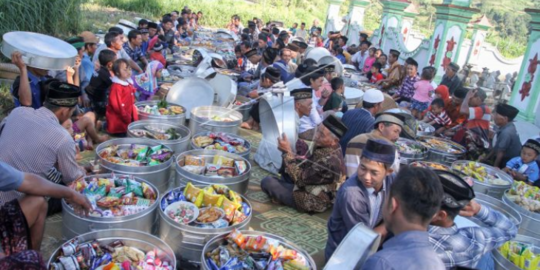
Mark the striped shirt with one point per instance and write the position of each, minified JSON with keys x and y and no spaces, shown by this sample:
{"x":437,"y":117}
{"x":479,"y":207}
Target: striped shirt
{"x":407,"y":88}
{"x":358,"y":121}
{"x":441,"y":119}
{"x":33,"y":141}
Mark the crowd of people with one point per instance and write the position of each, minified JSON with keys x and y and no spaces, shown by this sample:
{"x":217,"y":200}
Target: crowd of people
{"x":345,"y":160}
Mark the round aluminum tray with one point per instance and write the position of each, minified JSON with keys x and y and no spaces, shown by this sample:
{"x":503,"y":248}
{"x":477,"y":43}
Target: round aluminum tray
{"x":191,"y":92}
{"x":39,"y":51}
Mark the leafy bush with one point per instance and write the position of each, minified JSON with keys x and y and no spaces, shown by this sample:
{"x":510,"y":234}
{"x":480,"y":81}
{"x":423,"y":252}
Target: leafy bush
{"x":6,"y":100}
{"x":59,"y":18}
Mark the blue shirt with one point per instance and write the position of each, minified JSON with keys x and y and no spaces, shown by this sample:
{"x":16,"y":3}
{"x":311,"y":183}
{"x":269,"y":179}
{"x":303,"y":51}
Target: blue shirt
{"x":532,"y":171}
{"x":144,"y":46}
{"x":10,"y":178}
{"x":35,"y":89}
{"x":407,"y":250}
{"x":352,"y":206}
{"x":135,"y":54}
{"x":283,"y":70}
{"x":358,"y":121}
{"x":341,"y":58}
{"x":88,"y":68}
{"x":466,"y":246}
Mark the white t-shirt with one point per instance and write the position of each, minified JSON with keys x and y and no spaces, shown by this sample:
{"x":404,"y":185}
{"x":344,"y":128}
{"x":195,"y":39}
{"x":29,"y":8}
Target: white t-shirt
{"x":121,"y":54}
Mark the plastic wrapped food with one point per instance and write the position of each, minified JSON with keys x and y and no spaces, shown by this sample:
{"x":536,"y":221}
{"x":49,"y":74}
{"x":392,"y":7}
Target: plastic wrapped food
{"x":194,"y":194}
{"x":137,"y":155}
{"x":109,"y":256}
{"x":223,"y":161}
{"x":194,"y":161}
{"x":209,"y":215}
{"x":212,"y":199}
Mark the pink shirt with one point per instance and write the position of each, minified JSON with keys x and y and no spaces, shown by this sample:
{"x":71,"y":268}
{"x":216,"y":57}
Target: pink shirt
{"x":368,"y":63}
{"x":422,"y":90}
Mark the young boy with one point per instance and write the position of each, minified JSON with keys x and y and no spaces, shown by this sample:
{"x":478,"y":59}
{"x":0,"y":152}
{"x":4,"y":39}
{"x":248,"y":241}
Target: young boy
{"x":100,"y":83}
{"x":437,"y":116}
{"x":157,"y":55}
{"x":336,"y":101}
{"x":376,"y":73}
{"x":524,"y":167}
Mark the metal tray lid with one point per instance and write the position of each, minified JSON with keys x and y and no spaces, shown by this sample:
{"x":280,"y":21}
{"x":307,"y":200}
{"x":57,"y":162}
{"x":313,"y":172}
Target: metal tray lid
{"x":353,"y":251}
{"x":353,"y":93}
{"x":317,"y":53}
{"x":38,"y":50}
{"x":225,"y":89}
{"x":191,"y":92}
{"x":277,"y":117}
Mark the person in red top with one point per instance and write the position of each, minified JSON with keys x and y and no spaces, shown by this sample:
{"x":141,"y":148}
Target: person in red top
{"x":474,"y":133}
{"x":376,"y":73}
{"x":121,"y":109}
{"x":157,"y":55}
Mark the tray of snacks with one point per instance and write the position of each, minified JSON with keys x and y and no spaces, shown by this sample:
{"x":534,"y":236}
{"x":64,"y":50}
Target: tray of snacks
{"x":223,"y":142}
{"x":135,"y":155}
{"x":521,"y":253}
{"x":410,"y":149}
{"x":526,"y":200}
{"x":113,"y":249}
{"x":431,"y":165}
{"x":209,"y":211}
{"x":267,"y":251}
{"x":118,"y":201}
{"x":487,"y":179}
{"x":147,"y":159}
{"x":175,"y":136}
{"x":161,"y":110}
{"x":204,"y":167}
{"x":442,"y":150}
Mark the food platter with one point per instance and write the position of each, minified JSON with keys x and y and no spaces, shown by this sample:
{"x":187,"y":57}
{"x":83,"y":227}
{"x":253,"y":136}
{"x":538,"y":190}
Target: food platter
{"x":442,"y":150}
{"x":431,"y":165}
{"x":482,"y":173}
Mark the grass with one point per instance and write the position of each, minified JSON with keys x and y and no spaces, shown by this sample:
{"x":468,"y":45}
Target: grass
{"x":58,"y":18}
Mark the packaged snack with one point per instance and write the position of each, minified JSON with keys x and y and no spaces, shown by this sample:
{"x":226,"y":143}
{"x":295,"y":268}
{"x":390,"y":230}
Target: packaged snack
{"x":237,"y":237}
{"x":203,"y":141}
{"x":223,"y":161}
{"x":142,"y":154}
{"x":212,"y":170}
{"x":240,"y":166}
{"x":199,"y":170}
{"x":212,"y":200}
{"x":117,"y":192}
{"x":107,"y":202}
{"x":194,"y":160}
{"x":255,"y":243}
{"x":221,"y":189}
{"x":148,"y":192}
{"x":238,"y":217}
{"x":226,"y":172}
{"x":194,"y":194}
{"x":234,"y":197}
{"x":229,"y":207}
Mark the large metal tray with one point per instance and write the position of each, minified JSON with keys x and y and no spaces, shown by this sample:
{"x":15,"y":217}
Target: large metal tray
{"x":353,"y":251}
{"x":191,"y":92}
{"x":224,"y":88}
{"x":39,"y":51}
{"x":277,"y":116}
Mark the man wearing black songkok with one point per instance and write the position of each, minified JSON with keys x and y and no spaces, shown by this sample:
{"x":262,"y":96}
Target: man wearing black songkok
{"x":310,"y":182}
{"x":466,"y":246}
{"x":507,"y":144}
